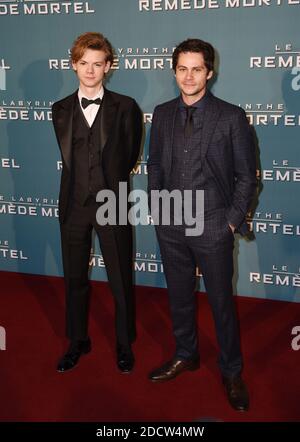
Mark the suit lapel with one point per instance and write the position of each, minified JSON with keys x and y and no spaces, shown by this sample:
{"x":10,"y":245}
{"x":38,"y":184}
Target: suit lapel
{"x":64,"y":121}
{"x":211,"y":116}
{"x":169,"y":130}
{"x":108,"y":114}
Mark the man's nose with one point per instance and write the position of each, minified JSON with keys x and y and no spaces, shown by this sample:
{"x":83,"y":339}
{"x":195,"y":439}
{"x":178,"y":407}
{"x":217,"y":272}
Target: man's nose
{"x":189,"y":74}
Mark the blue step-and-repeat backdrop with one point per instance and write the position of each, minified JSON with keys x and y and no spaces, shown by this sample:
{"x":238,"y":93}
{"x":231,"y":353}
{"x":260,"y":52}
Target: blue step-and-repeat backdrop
{"x":258,"y":68}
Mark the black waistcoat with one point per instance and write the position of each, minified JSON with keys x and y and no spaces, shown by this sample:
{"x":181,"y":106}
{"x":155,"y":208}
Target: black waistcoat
{"x":88,"y":177}
{"x":187,"y":172}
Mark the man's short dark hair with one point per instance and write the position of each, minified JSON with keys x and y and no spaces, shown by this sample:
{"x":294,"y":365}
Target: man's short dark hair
{"x":195,"y":45}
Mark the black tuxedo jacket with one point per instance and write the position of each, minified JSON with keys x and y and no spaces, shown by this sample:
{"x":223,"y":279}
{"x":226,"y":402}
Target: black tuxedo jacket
{"x":227,"y":147}
{"x":120,"y":139}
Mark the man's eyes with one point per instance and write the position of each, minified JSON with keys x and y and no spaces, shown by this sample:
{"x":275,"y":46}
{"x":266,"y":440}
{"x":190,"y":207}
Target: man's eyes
{"x":98,"y":65}
{"x":193,"y":70}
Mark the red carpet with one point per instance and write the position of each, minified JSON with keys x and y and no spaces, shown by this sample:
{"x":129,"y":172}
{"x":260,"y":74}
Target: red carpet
{"x":32,"y":313}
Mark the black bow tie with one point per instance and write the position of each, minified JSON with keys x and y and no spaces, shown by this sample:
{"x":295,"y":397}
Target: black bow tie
{"x":85,"y":102}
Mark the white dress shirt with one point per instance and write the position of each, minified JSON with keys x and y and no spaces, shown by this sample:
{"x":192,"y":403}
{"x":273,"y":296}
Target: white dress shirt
{"x":91,"y":110}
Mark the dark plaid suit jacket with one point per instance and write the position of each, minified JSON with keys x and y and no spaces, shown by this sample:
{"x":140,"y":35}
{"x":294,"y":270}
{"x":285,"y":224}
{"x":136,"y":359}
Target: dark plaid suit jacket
{"x":227,"y":147}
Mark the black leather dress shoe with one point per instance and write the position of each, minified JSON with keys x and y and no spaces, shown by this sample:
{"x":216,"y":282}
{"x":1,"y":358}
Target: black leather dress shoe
{"x":71,"y":358}
{"x":172,"y":369}
{"x":237,"y":393}
{"x":125,"y":359}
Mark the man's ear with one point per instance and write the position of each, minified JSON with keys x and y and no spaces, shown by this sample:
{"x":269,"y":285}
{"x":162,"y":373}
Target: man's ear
{"x":74,"y":66}
{"x":107,"y":67}
{"x":210,"y":74}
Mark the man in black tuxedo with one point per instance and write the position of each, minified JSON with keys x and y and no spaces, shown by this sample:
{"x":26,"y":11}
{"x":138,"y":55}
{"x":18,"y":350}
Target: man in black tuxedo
{"x":201,"y":142}
{"x":99,"y":135}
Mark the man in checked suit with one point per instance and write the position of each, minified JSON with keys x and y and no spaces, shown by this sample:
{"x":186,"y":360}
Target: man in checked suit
{"x":201,"y":142}
{"x":99,"y":134}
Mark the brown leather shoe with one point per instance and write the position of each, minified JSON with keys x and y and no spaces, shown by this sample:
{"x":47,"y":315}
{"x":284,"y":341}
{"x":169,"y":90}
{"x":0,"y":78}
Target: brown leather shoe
{"x":172,"y":369}
{"x":237,"y":393}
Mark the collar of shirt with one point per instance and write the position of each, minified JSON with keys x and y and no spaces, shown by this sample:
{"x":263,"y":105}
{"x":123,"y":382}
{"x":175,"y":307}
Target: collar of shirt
{"x":98,"y":95}
{"x":90,"y":112}
{"x":199,"y":105}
